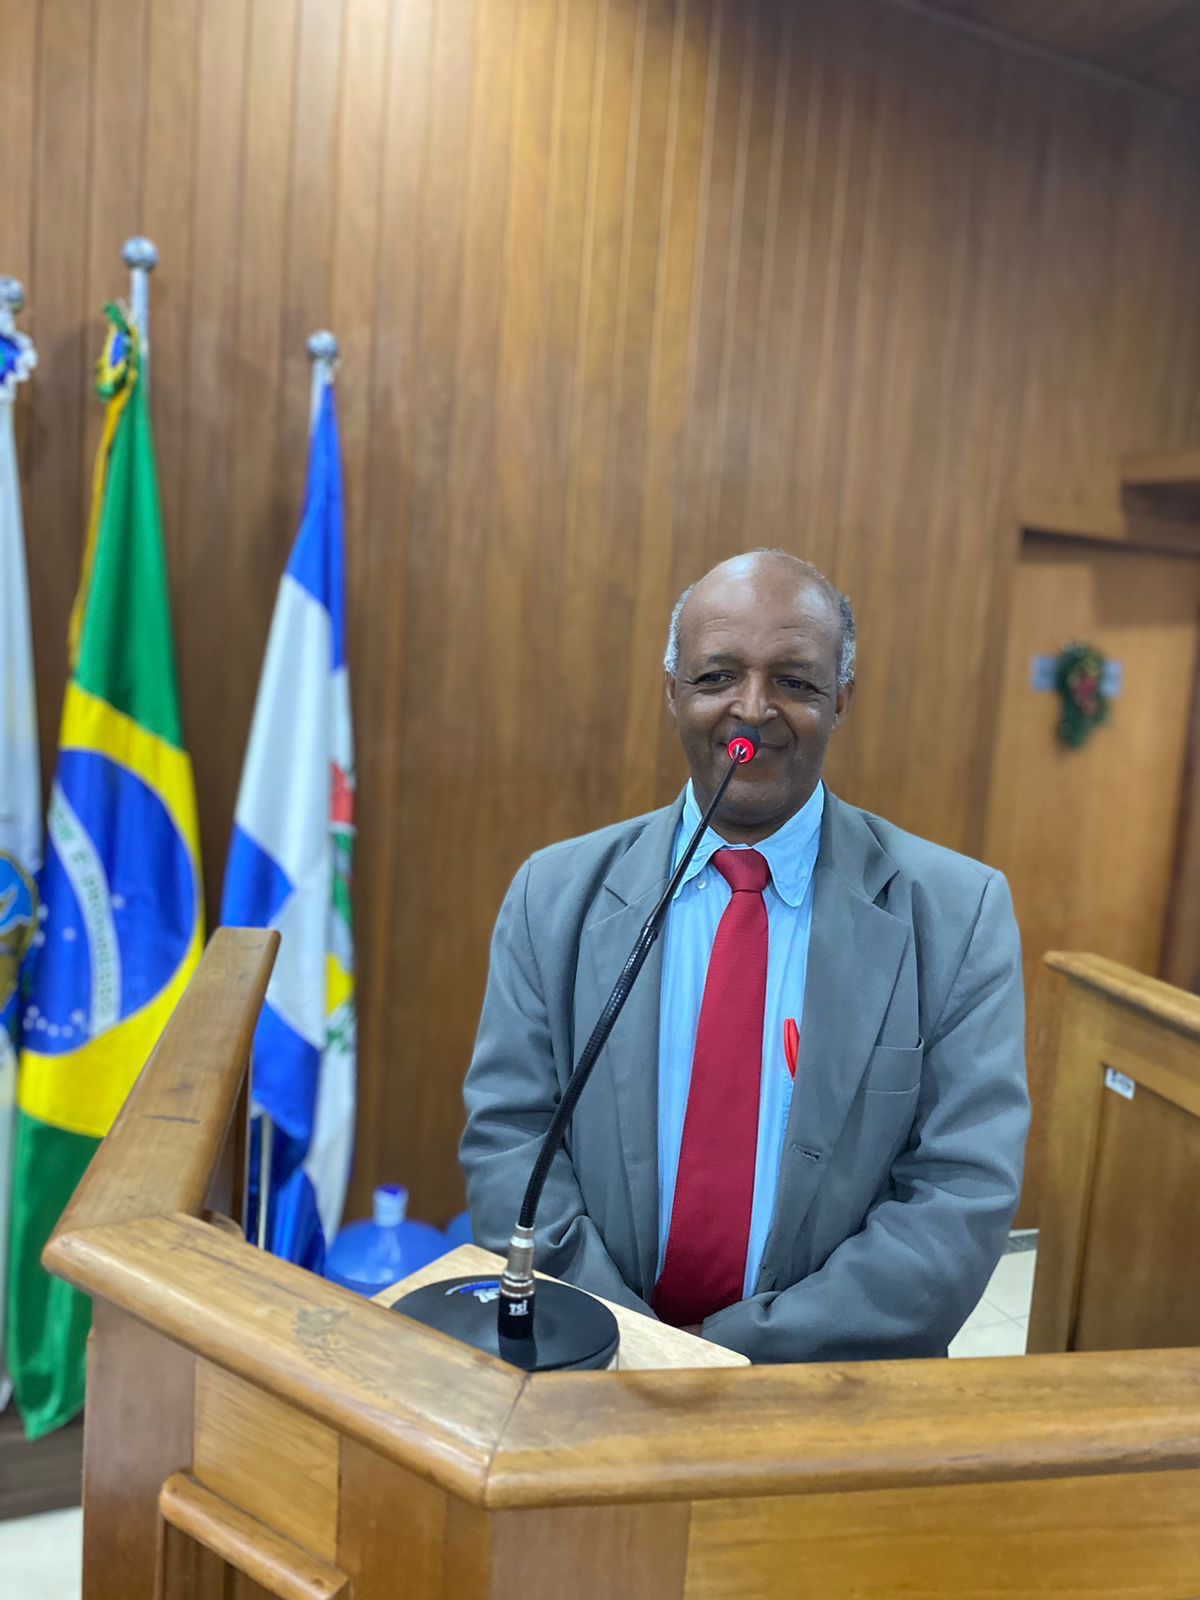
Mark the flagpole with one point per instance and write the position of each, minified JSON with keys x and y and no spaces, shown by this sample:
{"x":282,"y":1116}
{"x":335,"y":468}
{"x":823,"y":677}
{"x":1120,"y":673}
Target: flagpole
{"x":20,"y":799}
{"x":323,"y":353}
{"x":266,"y":1141}
{"x":141,"y":257}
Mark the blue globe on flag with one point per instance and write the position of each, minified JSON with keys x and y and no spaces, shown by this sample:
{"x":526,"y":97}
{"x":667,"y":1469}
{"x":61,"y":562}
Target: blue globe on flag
{"x":119,"y":904}
{"x":18,"y":926}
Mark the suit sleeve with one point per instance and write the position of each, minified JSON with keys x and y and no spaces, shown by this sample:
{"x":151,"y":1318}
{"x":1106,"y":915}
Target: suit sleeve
{"x":904,"y":1285}
{"x":511,"y":1093}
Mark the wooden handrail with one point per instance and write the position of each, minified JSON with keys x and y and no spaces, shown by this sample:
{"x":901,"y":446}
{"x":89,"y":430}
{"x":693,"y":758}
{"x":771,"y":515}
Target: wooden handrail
{"x":678,"y":1435}
{"x":427,"y":1402}
{"x":275,"y":1564}
{"x":164,"y":1146}
{"x":495,"y":1437}
{"x":1148,"y":996}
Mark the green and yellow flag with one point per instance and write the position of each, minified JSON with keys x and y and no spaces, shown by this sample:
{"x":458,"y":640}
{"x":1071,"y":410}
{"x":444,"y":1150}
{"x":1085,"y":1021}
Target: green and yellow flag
{"x":121,"y":901}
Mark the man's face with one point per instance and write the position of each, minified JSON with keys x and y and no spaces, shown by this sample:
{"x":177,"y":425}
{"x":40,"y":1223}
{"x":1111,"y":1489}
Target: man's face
{"x":757,"y":644}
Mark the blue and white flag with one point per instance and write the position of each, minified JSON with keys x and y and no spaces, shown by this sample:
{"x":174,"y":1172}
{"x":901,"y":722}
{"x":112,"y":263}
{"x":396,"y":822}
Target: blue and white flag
{"x":20,"y":781}
{"x":290,"y":867}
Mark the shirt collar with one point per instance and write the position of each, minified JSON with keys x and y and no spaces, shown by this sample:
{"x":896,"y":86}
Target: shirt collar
{"x":791,"y":851}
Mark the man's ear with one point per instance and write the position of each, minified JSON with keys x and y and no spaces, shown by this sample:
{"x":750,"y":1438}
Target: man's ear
{"x":671,"y":686}
{"x":842,"y":704}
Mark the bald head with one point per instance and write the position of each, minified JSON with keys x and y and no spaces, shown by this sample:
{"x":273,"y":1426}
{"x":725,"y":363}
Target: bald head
{"x":778,"y":569}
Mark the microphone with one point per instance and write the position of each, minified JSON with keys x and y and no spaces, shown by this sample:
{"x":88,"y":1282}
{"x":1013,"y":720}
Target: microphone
{"x":551,"y":1326}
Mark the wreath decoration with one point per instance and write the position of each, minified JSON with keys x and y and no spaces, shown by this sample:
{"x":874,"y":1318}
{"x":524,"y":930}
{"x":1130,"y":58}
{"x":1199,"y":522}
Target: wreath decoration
{"x":1079,"y":678}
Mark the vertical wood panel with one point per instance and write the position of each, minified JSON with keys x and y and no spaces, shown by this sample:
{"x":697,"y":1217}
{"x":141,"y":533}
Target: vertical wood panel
{"x":267,"y":1458}
{"x":514,"y":542}
{"x":590,"y":659}
{"x":116,"y":156}
{"x":427,"y":744}
{"x":392,"y":1523}
{"x":971,"y":583}
{"x":842,"y":118}
{"x":377,"y":664}
{"x":1137,"y":1289}
{"x":308,"y":257}
{"x":670,"y":386}
{"x":202,"y":566}
{"x":167,"y":216}
{"x":262,"y":488}
{"x":754,"y":222}
{"x":477,"y":606}
{"x":18,"y":139}
{"x":848,"y":336}
{"x":591,"y":1552}
{"x":138,"y":1430}
{"x":579,"y":49}
{"x":1121,"y":1537}
{"x":54,"y":489}
{"x":724,"y":173}
{"x":356,"y":291}
{"x":18,"y":129}
{"x":621,"y":286}
{"x":787,"y":171}
{"x":360,"y":296}
{"x":1155,"y":40}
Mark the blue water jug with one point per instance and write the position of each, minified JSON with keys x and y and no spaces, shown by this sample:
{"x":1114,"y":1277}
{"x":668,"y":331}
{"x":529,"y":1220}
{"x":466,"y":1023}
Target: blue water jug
{"x":458,"y":1231}
{"x":370,"y":1256}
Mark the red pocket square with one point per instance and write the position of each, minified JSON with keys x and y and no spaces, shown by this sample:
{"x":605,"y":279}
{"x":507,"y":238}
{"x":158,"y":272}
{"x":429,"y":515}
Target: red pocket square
{"x":791,"y":1044}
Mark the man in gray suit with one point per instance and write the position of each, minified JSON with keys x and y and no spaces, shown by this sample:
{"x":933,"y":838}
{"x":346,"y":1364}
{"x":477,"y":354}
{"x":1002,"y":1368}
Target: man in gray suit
{"x":805,"y":1135}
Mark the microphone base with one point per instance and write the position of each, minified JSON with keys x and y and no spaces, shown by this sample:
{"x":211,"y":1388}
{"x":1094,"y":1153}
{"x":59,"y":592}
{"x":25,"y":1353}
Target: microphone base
{"x":573,"y":1331}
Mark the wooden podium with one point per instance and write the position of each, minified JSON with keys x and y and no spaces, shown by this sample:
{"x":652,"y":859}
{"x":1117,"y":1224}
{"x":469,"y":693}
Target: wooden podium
{"x":253,"y":1430}
{"x":1119,"y":1249}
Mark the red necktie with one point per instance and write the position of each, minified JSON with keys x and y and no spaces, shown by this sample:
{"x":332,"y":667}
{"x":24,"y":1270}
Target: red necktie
{"x":705,"y":1264}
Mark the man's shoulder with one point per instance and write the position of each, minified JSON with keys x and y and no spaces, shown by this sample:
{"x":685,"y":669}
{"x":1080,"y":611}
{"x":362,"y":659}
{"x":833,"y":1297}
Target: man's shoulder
{"x":601,"y":847}
{"x":560,"y":884}
{"x":935,"y":867}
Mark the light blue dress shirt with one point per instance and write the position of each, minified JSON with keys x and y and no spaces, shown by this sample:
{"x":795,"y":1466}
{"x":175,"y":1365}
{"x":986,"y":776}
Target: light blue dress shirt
{"x":700,"y":901}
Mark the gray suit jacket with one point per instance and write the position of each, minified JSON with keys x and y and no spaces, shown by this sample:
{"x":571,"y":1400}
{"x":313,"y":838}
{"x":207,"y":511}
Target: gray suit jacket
{"x":904,"y":1150}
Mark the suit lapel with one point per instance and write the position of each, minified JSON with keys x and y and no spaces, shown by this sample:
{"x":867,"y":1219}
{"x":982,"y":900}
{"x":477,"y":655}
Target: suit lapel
{"x":854,"y":955}
{"x":630,"y":1057}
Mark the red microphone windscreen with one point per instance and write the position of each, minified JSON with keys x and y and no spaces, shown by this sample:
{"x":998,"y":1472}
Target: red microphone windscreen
{"x":743,"y":746}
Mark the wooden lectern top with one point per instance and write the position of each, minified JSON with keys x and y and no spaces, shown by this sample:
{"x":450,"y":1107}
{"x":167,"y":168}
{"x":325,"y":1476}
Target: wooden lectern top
{"x":646,"y":1345}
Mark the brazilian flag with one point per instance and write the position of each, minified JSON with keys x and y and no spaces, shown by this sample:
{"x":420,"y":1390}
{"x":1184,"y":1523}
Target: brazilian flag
{"x":121,"y":908}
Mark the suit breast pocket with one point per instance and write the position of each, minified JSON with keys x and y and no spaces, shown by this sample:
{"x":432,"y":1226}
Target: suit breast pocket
{"x":894,"y":1071}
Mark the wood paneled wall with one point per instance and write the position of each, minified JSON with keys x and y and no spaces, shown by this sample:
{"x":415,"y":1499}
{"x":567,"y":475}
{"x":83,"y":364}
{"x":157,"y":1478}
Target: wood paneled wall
{"x":622,"y":286}
{"x":1157,"y":41}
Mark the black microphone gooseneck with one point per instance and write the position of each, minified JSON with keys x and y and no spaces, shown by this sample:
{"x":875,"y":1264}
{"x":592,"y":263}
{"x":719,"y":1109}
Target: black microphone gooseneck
{"x":517,"y":1286}
{"x":579,"y":1330}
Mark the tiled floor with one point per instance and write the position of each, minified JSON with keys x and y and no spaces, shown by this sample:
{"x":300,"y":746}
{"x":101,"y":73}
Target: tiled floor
{"x":999,"y":1323}
{"x":40,"y":1556}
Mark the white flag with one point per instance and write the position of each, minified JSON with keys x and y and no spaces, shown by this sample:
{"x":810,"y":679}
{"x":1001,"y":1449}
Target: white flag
{"x":290,"y":866}
{"x":20,"y":783}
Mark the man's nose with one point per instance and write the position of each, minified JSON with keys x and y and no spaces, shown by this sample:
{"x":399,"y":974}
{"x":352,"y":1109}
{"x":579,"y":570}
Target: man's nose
{"x":754,"y":704}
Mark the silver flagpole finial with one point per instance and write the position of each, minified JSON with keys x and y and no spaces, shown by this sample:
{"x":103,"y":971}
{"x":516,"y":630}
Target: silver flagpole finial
{"x":12,"y":298}
{"x":140,"y":255}
{"x":323,"y":352}
{"x":18,"y":358}
{"x":12,"y":295}
{"x":323,"y":345}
